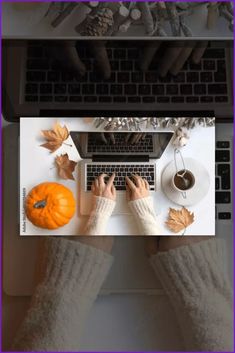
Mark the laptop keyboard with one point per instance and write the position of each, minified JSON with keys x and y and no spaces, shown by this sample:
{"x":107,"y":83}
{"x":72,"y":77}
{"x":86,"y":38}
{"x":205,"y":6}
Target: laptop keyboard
{"x":146,"y":171}
{"x":223,"y":177}
{"x":205,"y":82}
{"x":118,"y":143}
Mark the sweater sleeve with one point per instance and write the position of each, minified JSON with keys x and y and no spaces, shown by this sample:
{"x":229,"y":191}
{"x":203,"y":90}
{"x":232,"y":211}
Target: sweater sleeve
{"x":143,"y":210}
{"x":100,"y":214}
{"x":200,"y":293}
{"x":73,"y":277}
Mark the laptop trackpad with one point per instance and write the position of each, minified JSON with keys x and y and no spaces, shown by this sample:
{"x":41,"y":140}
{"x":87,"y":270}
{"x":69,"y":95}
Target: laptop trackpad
{"x":122,"y":204}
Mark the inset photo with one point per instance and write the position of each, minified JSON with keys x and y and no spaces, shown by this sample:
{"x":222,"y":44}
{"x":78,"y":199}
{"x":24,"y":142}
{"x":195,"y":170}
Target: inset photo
{"x":117,"y":176}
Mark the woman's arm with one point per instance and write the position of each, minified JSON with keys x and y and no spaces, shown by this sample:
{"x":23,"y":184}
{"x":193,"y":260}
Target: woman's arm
{"x":104,"y":196}
{"x":144,"y":212}
{"x":72,"y":277}
{"x":200,"y":293}
{"x":141,"y":205}
{"x":100,"y":214}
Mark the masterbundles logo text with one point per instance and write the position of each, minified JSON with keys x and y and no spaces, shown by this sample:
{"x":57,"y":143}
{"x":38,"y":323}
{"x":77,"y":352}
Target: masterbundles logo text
{"x":24,"y":193}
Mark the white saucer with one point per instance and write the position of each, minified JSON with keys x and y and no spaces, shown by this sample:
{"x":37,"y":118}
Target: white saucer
{"x":197,"y":193}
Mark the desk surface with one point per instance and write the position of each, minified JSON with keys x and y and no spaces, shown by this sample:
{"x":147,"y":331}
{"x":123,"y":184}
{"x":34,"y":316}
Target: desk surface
{"x":25,"y":23}
{"x":135,"y":323}
{"x":37,"y":166}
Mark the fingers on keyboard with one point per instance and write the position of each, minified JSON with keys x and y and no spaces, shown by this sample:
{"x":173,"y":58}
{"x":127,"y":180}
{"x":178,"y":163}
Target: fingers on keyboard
{"x":198,"y":75}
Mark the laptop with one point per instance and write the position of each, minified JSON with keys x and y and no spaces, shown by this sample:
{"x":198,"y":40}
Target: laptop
{"x":122,"y":153}
{"x":24,"y":95}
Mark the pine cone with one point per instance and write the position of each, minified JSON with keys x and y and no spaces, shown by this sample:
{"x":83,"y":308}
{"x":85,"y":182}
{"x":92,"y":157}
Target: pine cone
{"x":98,"y":24}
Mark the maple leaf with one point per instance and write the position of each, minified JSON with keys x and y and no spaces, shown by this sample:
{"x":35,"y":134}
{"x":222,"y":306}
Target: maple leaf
{"x":179,"y":219}
{"x":56,"y":137}
{"x":65,"y":166}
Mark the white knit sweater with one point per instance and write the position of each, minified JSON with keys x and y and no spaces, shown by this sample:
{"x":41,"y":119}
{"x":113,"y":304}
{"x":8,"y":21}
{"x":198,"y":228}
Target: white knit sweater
{"x":192,"y":277}
{"x":142,"y":209}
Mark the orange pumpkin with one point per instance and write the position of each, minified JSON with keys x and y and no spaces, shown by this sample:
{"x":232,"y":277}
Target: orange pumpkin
{"x":50,"y":205}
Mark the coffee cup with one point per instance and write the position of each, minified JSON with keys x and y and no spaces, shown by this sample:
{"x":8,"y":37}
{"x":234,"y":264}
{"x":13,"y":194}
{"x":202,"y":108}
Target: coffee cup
{"x":183,"y":181}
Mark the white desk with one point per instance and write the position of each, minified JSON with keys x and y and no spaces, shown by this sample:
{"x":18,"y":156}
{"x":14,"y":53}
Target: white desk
{"x":116,"y":323}
{"x":37,"y":166}
{"x":32,"y":24}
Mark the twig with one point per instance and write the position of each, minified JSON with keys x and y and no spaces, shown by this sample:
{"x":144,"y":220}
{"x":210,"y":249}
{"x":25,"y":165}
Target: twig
{"x":229,"y":7}
{"x":224,"y":12}
{"x":185,"y":29}
{"x":173,"y":18}
{"x":65,"y":13}
{"x":118,"y":18}
{"x":147,"y":17}
{"x":212,"y":15}
{"x":126,"y":25}
{"x":159,"y":16}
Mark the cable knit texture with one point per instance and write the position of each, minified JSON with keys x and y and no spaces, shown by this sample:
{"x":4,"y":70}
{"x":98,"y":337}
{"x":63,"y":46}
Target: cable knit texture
{"x":101,"y":211}
{"x":142,"y":209}
{"x":192,"y":277}
{"x":144,"y":212}
{"x":74,"y":274}
{"x":200,"y":293}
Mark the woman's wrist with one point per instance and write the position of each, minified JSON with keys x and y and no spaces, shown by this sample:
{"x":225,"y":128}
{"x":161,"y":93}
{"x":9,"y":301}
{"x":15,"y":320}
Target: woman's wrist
{"x":101,"y":212}
{"x":63,"y":260}
{"x":142,"y":206}
{"x":103,"y":206}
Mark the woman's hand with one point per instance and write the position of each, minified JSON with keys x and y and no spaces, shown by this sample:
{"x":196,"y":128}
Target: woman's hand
{"x":100,"y":188}
{"x":138,"y":189}
{"x":67,"y":56}
{"x":174,"y":55}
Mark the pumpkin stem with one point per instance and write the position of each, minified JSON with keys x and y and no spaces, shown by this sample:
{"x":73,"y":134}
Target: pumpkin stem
{"x":40,"y":204}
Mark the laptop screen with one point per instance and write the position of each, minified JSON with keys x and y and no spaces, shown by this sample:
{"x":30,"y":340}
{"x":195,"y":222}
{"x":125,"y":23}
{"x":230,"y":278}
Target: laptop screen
{"x":151,"y":144}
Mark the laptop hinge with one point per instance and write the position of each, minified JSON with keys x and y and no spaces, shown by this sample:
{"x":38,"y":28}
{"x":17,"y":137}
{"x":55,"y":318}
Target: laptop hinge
{"x":120,"y":158}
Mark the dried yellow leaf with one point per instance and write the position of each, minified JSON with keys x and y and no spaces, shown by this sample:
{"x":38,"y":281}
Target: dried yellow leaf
{"x":179,"y":220}
{"x":65,"y":166}
{"x":55,"y":137}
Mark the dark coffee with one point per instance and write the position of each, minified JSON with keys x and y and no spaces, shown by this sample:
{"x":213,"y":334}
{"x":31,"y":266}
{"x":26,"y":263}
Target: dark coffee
{"x":184,"y":182}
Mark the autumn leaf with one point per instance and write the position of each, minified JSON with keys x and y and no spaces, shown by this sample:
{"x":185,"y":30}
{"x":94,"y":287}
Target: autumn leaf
{"x":179,"y":220}
{"x":65,"y":167}
{"x":56,"y":137}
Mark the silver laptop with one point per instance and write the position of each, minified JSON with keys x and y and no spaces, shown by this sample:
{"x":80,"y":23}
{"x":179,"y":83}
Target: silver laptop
{"x":25,"y":94}
{"x":121,"y":153}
